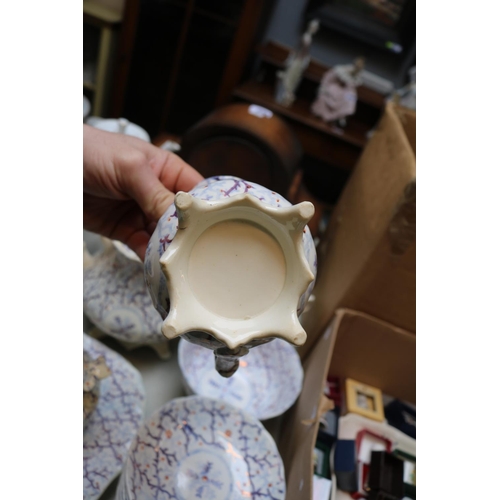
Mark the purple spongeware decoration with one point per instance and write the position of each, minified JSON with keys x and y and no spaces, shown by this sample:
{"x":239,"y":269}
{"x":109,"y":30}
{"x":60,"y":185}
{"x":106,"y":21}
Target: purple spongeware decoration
{"x":197,"y":447}
{"x":230,"y":266}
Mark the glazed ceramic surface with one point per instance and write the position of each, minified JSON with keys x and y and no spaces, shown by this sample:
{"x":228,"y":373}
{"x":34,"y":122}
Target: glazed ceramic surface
{"x":212,"y":189}
{"x":120,"y":126}
{"x":267,"y":383}
{"x":94,"y":370}
{"x":197,"y":447}
{"x":115,"y":297}
{"x":241,"y":270}
{"x":114,"y":422}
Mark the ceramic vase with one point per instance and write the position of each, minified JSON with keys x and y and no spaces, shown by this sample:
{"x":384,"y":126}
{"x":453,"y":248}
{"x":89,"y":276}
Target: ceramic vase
{"x":230,"y":266}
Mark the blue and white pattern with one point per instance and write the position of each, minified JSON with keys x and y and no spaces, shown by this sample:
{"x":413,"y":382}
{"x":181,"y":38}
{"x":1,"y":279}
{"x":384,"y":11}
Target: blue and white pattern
{"x":114,"y":422}
{"x":267,"y":383}
{"x":212,"y":189}
{"x":197,"y":447}
{"x":116,"y":300}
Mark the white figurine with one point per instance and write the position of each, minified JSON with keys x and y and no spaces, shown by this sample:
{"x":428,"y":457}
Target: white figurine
{"x":407,"y":95}
{"x":337,"y":95}
{"x":295,"y":65}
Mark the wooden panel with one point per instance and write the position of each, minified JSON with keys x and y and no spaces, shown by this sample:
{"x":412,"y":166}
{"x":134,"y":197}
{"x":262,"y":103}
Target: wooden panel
{"x":157,"y":37}
{"x":204,"y":57}
{"x":263,"y":94}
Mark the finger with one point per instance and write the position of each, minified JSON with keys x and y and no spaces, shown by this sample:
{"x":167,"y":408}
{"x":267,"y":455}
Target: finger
{"x":175,"y":173}
{"x":143,"y":185}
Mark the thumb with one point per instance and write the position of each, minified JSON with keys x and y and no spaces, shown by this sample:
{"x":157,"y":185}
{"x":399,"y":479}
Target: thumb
{"x":150,"y":194}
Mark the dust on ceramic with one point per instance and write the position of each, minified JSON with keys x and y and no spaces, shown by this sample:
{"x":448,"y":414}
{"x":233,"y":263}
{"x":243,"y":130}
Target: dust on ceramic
{"x":94,"y":370}
{"x":116,"y":300}
{"x":197,"y":447}
{"x":114,"y":422}
{"x":267,"y":383}
{"x":246,"y":267}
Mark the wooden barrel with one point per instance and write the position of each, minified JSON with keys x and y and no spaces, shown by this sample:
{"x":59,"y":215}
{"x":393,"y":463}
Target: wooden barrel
{"x":247,"y":141}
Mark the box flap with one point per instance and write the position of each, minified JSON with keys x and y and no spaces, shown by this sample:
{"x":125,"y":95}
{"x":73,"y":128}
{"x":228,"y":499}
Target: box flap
{"x":301,"y":423}
{"x":372,"y":224}
{"x":376,"y":353}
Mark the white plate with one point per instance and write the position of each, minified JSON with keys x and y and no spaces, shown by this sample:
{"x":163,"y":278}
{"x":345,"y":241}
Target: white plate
{"x":113,"y":424}
{"x":267,"y":383}
{"x":197,"y":447}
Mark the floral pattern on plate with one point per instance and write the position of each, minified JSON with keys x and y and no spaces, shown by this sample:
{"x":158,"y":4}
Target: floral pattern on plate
{"x":267,"y":383}
{"x":197,"y":447}
{"x":116,"y":299}
{"x":114,"y":422}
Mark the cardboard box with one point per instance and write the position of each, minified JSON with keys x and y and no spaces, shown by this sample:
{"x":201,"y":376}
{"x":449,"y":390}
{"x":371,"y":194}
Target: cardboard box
{"x":366,"y":260}
{"x":355,"y":345}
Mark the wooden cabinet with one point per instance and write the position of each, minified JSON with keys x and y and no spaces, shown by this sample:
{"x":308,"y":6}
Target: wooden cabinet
{"x":100,"y":24}
{"x":186,"y":58}
{"x":330,"y":152}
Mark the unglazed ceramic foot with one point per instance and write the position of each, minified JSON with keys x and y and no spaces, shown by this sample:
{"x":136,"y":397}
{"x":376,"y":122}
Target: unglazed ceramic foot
{"x":231,"y":265}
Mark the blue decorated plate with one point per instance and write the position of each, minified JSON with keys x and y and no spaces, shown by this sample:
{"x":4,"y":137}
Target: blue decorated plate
{"x":267,"y":383}
{"x":114,"y":422}
{"x":197,"y":447}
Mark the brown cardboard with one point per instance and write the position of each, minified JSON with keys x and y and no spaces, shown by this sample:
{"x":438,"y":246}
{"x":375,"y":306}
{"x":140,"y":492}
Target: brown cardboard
{"x":355,"y":345}
{"x":367,"y":257}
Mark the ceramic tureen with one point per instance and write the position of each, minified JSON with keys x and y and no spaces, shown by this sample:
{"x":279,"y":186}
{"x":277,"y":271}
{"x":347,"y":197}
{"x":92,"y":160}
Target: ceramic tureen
{"x":197,"y":447}
{"x":116,"y":300}
{"x":230,"y":266}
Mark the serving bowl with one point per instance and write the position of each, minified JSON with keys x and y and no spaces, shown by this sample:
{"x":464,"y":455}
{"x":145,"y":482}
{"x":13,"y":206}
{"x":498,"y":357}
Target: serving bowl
{"x":197,"y":447}
{"x":267,"y":383}
{"x":115,"y":298}
{"x":114,"y":422}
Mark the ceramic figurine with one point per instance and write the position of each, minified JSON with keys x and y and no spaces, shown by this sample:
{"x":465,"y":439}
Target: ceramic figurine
{"x":116,"y":300}
{"x":202,"y":448}
{"x":230,"y":266}
{"x":337,"y":95}
{"x":297,"y":62}
{"x":114,"y":422}
{"x":407,"y":95}
{"x":93,"y":372}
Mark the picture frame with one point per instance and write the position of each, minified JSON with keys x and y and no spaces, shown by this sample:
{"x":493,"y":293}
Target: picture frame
{"x":364,"y":400}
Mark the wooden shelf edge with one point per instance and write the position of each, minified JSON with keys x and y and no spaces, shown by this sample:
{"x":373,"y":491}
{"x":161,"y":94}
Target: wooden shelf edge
{"x":247,"y":93}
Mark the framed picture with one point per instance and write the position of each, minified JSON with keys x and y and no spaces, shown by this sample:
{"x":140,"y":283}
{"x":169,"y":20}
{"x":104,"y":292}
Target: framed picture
{"x":409,"y":473}
{"x":364,"y":400}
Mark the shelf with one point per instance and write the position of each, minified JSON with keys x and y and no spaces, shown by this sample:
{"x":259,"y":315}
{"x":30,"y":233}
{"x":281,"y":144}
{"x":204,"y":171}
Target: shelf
{"x":263,"y":95}
{"x":276,"y":54}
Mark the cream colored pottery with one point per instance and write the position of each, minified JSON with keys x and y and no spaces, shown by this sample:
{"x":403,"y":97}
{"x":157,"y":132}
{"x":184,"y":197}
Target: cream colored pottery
{"x":230,"y":266}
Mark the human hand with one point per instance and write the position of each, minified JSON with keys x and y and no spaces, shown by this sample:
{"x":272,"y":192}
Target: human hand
{"x":127,"y":186}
